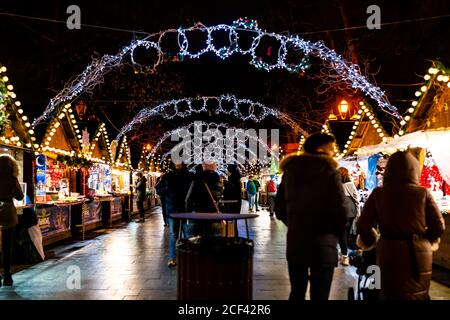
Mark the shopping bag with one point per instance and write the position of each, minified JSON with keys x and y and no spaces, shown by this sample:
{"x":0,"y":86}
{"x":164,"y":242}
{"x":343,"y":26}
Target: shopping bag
{"x":36,"y":237}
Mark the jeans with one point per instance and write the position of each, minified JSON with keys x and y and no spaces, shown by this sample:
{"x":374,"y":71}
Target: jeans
{"x":174,"y":226}
{"x":7,"y":235}
{"x":343,"y":239}
{"x":141,"y":209}
{"x":320,"y":279}
{"x":271,"y":199}
{"x":251,"y":201}
{"x":164,"y":209}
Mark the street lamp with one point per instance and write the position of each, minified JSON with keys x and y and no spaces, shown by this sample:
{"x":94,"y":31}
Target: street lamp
{"x":343,"y":108}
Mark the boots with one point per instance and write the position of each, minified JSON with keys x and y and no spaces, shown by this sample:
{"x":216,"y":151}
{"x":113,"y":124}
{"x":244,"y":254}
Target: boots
{"x":7,"y":280}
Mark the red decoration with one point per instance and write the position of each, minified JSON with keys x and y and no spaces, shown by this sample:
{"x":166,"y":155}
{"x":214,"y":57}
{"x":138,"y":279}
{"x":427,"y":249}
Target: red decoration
{"x":432,"y":172}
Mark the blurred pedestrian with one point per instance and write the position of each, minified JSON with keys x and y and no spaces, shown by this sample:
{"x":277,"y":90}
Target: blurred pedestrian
{"x":352,"y":209}
{"x":310,"y":201}
{"x":141,"y":189}
{"x":232,"y":190}
{"x":271,"y":194}
{"x":409,"y":221}
{"x":9,"y":189}
{"x":251,"y":193}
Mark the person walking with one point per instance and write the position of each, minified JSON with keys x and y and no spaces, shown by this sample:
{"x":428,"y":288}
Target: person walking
{"x":271,"y":194}
{"x":352,"y":205}
{"x":409,"y":221}
{"x":251,"y":193}
{"x":141,"y":189}
{"x":310,"y":202}
{"x":257,"y":187}
{"x":203,"y":196}
{"x":232,"y":190}
{"x":161,"y":189}
{"x":9,"y":189}
{"x":177,"y":184}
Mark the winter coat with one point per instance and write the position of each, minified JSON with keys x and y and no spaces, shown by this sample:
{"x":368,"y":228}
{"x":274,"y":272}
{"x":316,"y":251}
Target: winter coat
{"x":408,"y":220}
{"x":198,"y":198}
{"x":257,"y":184}
{"x":310,"y":201}
{"x":351,"y":199}
{"x":251,"y":188}
{"x":177,"y":184}
{"x":141,"y":189}
{"x":9,"y":189}
{"x":232,"y":191}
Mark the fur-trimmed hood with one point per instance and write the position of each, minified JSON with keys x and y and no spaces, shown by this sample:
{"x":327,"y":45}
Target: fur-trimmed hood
{"x":294,"y":157}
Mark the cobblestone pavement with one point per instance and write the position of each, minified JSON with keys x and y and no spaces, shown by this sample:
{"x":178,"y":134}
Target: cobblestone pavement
{"x":130,"y":262}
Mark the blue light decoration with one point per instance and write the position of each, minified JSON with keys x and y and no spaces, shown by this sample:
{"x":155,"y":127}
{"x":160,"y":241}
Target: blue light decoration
{"x":256,"y":111}
{"x":371,"y":179}
{"x":348,"y":72}
{"x":41,"y":169}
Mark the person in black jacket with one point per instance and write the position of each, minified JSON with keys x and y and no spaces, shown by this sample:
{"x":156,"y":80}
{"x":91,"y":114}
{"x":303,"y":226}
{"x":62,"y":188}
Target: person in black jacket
{"x":177,"y":185}
{"x":310,"y":201}
{"x":141,"y":189}
{"x":232,"y":190}
{"x":9,"y":189}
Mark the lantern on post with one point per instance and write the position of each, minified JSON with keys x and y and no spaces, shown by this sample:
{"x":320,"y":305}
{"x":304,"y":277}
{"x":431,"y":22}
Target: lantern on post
{"x":343,"y":109}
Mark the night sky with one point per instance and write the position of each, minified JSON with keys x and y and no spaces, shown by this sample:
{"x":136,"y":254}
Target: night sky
{"x":41,"y":56}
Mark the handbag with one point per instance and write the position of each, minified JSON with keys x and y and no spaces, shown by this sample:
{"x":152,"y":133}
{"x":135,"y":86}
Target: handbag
{"x":8,"y":214}
{"x":225,"y":228}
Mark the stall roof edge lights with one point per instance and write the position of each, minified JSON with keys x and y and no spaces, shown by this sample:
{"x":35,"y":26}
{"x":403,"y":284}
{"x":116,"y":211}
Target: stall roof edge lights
{"x":10,"y":107}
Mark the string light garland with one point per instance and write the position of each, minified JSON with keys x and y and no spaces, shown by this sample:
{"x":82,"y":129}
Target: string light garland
{"x":101,"y":133}
{"x":67,"y":113}
{"x":365,"y":111}
{"x":9,"y":105}
{"x":123,"y":149}
{"x":255,"y":111}
{"x":183,"y":132}
{"x":350,"y":73}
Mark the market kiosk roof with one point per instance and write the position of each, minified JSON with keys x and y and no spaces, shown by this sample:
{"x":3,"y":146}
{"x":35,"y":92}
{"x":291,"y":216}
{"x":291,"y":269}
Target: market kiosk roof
{"x":430,"y":108}
{"x":63,"y":135}
{"x":362,"y":129}
{"x":123,"y":157}
{"x":15,"y":128}
{"x":100,"y":147}
{"x":144,"y":163}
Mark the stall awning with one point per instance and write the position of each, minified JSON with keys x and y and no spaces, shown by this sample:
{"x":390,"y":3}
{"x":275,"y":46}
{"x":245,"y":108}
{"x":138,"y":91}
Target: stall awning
{"x":436,"y":141}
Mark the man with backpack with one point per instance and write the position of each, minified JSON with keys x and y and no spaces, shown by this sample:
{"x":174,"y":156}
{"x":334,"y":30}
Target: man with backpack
{"x":271,"y":194}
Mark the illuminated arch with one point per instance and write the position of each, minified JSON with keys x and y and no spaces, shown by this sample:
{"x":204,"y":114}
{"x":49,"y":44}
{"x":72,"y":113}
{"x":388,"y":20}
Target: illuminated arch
{"x":94,"y":72}
{"x":256,"y":111}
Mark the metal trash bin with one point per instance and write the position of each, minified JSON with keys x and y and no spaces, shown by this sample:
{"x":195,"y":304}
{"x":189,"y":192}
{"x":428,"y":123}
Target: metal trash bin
{"x":215,"y":268}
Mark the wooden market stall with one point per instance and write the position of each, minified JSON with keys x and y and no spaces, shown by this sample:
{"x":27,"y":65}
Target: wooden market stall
{"x":429,"y":113}
{"x":121,"y":206}
{"x":98,"y":184}
{"x":17,"y":137}
{"x":59,"y":196}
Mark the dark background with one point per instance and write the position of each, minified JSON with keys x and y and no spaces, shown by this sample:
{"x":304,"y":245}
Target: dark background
{"x":42,"y":56}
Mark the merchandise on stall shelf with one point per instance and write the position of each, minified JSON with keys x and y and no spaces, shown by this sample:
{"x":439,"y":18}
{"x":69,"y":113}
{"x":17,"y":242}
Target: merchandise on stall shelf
{"x":100,"y":178}
{"x":120,"y":181}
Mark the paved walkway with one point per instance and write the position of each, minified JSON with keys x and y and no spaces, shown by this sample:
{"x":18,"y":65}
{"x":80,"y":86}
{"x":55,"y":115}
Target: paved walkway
{"x":130,"y":262}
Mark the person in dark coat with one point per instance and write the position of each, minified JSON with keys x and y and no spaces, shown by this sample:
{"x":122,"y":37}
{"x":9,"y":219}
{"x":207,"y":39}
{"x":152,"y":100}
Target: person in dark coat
{"x":409,"y":221}
{"x":198,"y":198}
{"x":232,"y":190}
{"x":9,"y":189}
{"x":161,"y":189}
{"x":141,"y":189}
{"x":203,"y":196}
{"x":177,"y":182}
{"x":310,"y":201}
